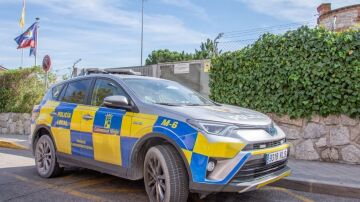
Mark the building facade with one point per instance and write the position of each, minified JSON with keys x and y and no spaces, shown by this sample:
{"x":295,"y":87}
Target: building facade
{"x":339,"y":19}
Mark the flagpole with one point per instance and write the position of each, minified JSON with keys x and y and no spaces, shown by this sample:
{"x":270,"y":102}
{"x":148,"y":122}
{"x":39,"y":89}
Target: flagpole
{"x":142,"y":32}
{"x":22,"y":51}
{"x":22,"y":24}
{"x":37,"y":38}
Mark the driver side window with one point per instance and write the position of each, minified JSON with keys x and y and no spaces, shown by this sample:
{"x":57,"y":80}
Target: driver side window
{"x":104,"y":88}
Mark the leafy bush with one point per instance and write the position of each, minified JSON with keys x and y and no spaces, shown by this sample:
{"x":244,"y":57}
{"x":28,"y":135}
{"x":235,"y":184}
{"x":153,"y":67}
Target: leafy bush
{"x":21,"y":89}
{"x":300,"y":73}
{"x":206,"y":51}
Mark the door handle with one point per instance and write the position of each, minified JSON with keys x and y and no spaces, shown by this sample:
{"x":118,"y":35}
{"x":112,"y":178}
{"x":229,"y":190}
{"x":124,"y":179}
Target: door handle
{"x":53,"y":114}
{"x":87,"y":117}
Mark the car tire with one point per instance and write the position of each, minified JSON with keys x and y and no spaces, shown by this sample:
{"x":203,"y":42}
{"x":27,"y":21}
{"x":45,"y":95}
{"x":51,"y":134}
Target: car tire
{"x":165,"y":175}
{"x":45,"y":158}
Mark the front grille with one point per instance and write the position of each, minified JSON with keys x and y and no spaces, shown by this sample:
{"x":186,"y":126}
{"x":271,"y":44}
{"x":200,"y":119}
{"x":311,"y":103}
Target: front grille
{"x":264,"y":145}
{"x":256,"y":169}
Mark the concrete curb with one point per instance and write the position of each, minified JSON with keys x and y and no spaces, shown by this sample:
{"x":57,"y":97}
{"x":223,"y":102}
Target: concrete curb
{"x":12,"y":145}
{"x":320,"y":187}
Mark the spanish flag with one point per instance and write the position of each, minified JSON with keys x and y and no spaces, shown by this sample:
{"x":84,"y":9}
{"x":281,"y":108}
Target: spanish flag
{"x":22,"y":19}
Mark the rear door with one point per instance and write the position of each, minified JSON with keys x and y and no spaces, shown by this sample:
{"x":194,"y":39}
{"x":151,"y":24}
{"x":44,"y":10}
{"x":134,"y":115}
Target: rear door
{"x":67,"y":128}
{"x":108,"y":123}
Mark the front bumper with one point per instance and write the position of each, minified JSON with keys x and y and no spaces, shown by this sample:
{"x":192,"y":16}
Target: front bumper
{"x":242,"y":186}
{"x":247,"y":171}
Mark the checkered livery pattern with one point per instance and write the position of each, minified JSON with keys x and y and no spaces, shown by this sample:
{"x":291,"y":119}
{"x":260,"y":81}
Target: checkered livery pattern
{"x":109,"y":135}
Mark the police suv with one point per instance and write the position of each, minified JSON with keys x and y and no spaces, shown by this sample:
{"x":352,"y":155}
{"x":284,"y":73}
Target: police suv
{"x":138,"y":127}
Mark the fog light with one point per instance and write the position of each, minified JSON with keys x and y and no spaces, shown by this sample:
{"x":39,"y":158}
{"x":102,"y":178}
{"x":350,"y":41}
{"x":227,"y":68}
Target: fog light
{"x":210,"y":166}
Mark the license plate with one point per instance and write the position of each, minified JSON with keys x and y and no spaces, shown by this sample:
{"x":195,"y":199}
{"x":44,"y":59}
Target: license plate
{"x":276,"y":156}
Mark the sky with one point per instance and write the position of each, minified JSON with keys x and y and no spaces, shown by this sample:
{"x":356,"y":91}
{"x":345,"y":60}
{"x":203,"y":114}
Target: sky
{"x":106,"y":33}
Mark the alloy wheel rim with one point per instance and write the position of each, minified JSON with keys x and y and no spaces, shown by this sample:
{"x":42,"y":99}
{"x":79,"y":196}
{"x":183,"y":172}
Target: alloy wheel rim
{"x":156,"y":179}
{"x":43,"y":157}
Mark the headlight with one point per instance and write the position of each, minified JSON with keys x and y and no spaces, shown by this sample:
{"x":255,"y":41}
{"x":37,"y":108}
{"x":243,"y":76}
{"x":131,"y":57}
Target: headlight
{"x":213,"y":128}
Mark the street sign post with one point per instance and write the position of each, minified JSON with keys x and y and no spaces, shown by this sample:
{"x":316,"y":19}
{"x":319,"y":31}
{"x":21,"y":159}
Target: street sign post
{"x":46,"y":65}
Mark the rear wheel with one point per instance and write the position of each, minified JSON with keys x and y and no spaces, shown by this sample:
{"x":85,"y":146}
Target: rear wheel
{"x":45,"y":158}
{"x":165,"y":175}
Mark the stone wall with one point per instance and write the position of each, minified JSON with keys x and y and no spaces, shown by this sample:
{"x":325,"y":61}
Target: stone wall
{"x":333,"y":139}
{"x":15,"y":123}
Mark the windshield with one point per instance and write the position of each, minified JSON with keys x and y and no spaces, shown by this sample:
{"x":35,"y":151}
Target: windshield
{"x":165,"y":92}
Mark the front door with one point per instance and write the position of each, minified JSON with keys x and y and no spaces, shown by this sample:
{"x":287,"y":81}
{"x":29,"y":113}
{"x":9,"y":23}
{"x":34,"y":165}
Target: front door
{"x":107,"y":124}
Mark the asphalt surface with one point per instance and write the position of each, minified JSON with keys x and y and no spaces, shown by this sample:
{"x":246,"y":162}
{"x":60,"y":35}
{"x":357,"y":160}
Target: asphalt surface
{"x":20,"y":182}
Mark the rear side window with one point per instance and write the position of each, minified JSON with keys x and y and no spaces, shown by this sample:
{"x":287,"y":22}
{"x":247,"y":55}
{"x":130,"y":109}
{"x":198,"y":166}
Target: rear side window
{"x":55,"y":92}
{"x":77,"y":91}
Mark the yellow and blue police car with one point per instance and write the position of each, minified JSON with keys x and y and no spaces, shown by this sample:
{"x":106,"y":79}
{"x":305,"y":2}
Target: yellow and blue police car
{"x":138,"y":127}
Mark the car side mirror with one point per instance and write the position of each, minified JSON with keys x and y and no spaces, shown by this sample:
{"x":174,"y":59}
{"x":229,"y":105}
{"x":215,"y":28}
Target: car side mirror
{"x":116,"y":101}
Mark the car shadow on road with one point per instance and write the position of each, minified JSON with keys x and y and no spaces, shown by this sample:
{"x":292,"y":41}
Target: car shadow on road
{"x":17,"y":152}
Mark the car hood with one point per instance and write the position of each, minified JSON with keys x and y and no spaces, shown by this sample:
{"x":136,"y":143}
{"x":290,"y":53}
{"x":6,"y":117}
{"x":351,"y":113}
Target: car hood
{"x":224,"y":113}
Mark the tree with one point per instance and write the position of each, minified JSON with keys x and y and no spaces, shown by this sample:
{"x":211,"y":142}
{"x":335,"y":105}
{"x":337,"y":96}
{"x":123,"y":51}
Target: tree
{"x":207,"y":50}
{"x":165,"y":55}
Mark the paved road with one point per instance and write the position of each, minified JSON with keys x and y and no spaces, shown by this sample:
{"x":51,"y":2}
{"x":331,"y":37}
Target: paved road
{"x":19,"y":182}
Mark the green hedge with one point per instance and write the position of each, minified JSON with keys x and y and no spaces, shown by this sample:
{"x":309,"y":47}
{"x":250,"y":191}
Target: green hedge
{"x":20,"y":89}
{"x":300,"y":73}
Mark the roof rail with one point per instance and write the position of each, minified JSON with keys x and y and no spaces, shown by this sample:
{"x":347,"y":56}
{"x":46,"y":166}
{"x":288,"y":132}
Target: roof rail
{"x":89,"y":71}
{"x":122,"y":71}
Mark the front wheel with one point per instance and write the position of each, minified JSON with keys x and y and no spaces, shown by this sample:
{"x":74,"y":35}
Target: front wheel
{"x":45,"y":159}
{"x":165,"y":175}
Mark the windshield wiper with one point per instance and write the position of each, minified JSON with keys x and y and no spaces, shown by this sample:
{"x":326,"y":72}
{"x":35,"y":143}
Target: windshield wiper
{"x":194,"y":104}
{"x":165,"y":103}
